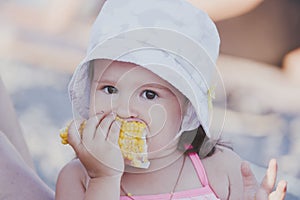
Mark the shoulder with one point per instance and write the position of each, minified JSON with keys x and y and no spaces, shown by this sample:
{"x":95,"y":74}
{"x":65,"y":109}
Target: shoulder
{"x":73,"y":168}
{"x":224,"y":168}
{"x":226,"y":157}
{"x":72,"y":177}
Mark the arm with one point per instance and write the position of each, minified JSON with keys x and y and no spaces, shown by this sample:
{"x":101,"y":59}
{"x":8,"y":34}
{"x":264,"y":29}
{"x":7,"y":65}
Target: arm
{"x":245,"y":181}
{"x":98,"y":152}
{"x":242,"y":183}
{"x":263,"y":191}
{"x":223,"y":172}
{"x":71,"y":182}
{"x":249,"y":185}
{"x":18,"y":180}
{"x":74,"y":183}
{"x":110,"y":188}
{"x":220,"y":9}
{"x":10,"y":126}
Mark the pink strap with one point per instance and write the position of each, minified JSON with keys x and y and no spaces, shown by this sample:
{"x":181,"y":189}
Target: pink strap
{"x":199,"y":168}
{"x":205,"y":191}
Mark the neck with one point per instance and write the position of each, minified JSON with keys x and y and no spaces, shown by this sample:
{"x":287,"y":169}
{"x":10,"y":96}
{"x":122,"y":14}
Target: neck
{"x":146,"y":183}
{"x":156,"y":164}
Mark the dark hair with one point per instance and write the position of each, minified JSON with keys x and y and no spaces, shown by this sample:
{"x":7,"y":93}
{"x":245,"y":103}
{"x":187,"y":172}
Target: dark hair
{"x":198,"y":142}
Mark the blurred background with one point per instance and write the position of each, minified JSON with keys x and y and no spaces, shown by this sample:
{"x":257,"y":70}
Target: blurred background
{"x":42,"y":41}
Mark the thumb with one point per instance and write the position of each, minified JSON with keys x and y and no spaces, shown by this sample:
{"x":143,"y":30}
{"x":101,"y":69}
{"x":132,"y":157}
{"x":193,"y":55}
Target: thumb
{"x":113,"y":135}
{"x":269,"y":179}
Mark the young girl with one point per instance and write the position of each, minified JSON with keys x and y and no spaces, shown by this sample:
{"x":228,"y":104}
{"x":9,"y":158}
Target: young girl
{"x":151,"y":62}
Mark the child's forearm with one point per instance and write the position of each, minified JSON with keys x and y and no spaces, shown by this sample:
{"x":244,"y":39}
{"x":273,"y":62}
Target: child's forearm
{"x":104,"y":188}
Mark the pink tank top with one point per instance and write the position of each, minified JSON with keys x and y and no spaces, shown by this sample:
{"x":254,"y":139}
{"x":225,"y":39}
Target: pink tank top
{"x":203,"y":193}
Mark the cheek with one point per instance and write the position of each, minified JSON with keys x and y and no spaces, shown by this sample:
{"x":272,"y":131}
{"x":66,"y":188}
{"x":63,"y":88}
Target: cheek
{"x":166,"y":122}
{"x":165,"y":119}
{"x":99,"y":103}
{"x":158,"y":118}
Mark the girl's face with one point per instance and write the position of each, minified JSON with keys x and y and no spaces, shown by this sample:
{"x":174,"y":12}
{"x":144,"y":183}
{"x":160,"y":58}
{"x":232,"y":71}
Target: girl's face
{"x":133,"y":92}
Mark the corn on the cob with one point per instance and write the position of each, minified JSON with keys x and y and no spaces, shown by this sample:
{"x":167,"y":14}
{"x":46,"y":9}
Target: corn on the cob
{"x":132,"y":142}
{"x":64,"y":132}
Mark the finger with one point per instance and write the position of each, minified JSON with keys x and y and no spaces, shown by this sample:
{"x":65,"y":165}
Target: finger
{"x":104,"y":126}
{"x":269,"y":179}
{"x":249,"y":179}
{"x":74,"y":138}
{"x":282,"y":186}
{"x":280,"y":192}
{"x":82,"y":130}
{"x":90,"y":128}
{"x":114,"y":132}
{"x":281,"y":189}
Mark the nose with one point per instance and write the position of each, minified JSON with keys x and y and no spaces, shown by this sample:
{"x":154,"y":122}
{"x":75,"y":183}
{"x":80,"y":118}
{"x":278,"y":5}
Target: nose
{"x":124,"y":106}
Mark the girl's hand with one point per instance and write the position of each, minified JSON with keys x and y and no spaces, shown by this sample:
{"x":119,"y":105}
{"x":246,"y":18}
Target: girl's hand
{"x":98,"y":149}
{"x":252,"y":190}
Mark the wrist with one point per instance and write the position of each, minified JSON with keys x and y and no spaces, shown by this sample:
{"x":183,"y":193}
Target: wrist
{"x":113,"y":179}
{"x":102,"y":174}
{"x":107,"y":187}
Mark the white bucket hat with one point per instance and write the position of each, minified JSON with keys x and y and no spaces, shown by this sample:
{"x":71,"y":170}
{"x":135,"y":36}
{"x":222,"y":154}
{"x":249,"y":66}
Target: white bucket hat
{"x":171,"y":38}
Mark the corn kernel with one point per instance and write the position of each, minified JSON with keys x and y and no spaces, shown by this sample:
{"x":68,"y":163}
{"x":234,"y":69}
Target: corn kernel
{"x":132,"y":142}
{"x":64,"y":132}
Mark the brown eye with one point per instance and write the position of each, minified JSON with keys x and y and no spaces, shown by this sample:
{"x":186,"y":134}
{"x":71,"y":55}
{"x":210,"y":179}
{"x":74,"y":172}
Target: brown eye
{"x":110,"y":89}
{"x":148,"y":94}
